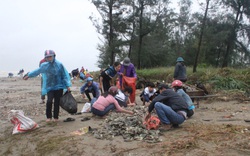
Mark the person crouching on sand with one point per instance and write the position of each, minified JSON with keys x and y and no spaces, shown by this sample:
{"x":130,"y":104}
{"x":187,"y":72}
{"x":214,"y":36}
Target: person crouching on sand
{"x":56,"y":78}
{"x":107,"y":102}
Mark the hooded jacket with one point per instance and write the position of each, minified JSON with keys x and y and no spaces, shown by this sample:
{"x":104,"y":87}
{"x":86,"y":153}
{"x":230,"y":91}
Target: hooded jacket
{"x":55,"y":76}
{"x":180,"y":71}
{"x":171,"y":99}
{"x":94,"y":86}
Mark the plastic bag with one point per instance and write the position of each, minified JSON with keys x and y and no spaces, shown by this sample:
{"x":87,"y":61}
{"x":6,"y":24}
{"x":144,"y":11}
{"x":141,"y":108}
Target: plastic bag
{"x":21,"y":123}
{"x":68,"y":103}
{"x":131,"y":82}
{"x":81,"y":131}
{"x":152,"y":123}
{"x":86,"y":107}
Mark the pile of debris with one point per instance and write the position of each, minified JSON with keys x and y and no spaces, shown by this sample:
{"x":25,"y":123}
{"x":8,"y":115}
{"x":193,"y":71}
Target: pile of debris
{"x":129,"y":127}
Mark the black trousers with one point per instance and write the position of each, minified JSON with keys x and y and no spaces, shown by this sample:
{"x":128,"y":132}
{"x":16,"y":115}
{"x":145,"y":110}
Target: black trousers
{"x":106,"y":84}
{"x":90,"y":91}
{"x":53,"y":95}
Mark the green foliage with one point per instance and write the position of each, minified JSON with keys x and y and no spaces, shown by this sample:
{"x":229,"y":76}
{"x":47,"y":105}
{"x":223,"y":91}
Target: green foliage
{"x":156,"y":74}
{"x":219,"y":79}
{"x":227,"y":83}
{"x":153,"y":34}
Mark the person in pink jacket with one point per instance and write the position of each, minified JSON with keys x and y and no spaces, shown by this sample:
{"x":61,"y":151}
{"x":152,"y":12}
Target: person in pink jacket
{"x":107,"y":102}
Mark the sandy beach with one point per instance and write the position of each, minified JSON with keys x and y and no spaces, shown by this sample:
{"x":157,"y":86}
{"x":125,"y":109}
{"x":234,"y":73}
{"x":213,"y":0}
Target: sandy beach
{"x":217,"y":128}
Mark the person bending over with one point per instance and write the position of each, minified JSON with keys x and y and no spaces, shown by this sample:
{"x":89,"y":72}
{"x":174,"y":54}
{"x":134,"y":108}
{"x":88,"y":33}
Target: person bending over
{"x":170,"y":108}
{"x":178,"y":88}
{"x":90,"y":87}
{"x":148,"y":93}
{"x":107,"y":102}
{"x":123,"y":97}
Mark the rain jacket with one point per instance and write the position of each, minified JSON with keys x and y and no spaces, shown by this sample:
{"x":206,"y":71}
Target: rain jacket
{"x":128,"y":71}
{"x":55,"y":76}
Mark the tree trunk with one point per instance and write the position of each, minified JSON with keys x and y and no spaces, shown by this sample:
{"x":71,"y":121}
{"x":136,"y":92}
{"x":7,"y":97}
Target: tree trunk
{"x":200,"y":38}
{"x":111,"y":35}
{"x":130,"y":42}
{"x":231,"y":39}
{"x":140,"y":35}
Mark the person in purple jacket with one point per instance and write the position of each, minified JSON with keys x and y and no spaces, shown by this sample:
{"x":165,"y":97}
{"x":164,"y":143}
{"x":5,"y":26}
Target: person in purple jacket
{"x":127,"y":69}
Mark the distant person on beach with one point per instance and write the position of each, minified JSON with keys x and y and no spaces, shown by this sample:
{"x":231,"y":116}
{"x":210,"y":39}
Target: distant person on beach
{"x":82,"y":74}
{"x":82,"y":70}
{"x":107,"y":102}
{"x":75,"y":73}
{"x":56,"y":78}
{"x":10,"y":75}
{"x":21,"y":71}
{"x":42,"y":96}
{"x":180,"y":72}
{"x":107,"y":75}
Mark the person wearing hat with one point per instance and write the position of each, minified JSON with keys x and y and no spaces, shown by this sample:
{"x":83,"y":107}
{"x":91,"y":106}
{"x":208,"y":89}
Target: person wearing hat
{"x":170,"y":107}
{"x":90,"y":87}
{"x":56,"y":79}
{"x":127,"y":69}
{"x":180,"y":70}
{"x":107,"y":102}
{"x":127,"y":72}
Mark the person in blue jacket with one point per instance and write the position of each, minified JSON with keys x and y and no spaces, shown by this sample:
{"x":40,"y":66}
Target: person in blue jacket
{"x":178,"y":88}
{"x":56,"y":79}
{"x":90,"y":87}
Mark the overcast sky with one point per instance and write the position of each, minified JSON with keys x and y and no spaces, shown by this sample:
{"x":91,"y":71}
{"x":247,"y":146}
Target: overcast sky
{"x":29,"y":27}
